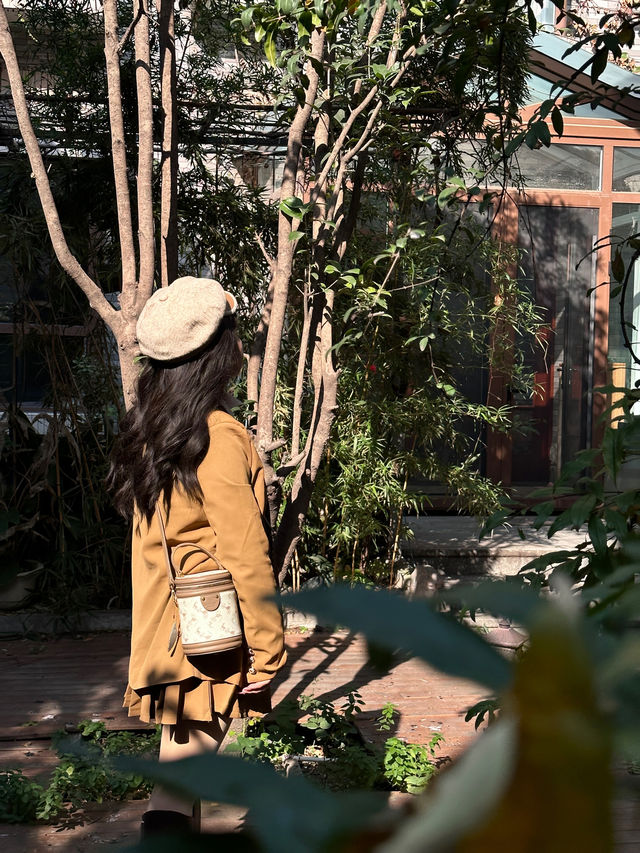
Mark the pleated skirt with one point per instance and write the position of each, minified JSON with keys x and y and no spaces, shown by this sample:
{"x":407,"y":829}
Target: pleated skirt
{"x":193,"y":700}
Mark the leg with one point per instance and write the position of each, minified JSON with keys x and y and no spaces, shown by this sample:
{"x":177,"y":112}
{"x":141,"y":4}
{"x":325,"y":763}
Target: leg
{"x":184,"y":740}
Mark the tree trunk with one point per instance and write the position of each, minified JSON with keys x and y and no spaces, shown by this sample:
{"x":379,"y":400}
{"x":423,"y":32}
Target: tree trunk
{"x":284,"y":263}
{"x":169,"y":158}
{"x":146,"y":239}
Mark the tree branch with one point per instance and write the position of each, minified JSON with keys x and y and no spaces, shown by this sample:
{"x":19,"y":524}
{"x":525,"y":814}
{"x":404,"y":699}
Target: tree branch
{"x":353,"y":115}
{"x":374,"y":32}
{"x":324,"y":412}
{"x":67,"y":261}
{"x":116,"y":121}
{"x":302,"y":362}
{"x":146,"y":242}
{"x":127,"y":34}
{"x":257,"y":348}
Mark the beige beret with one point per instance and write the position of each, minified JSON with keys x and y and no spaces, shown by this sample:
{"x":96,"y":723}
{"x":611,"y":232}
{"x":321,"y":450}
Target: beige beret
{"x":178,"y":320}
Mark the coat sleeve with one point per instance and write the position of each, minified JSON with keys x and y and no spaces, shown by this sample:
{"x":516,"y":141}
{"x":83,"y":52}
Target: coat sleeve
{"x":242,"y":545}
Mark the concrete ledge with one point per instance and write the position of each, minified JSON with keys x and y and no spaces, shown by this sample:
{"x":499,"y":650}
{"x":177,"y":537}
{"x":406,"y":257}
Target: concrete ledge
{"x":20,"y":622}
{"x":43,"y":622}
{"x":448,"y":547}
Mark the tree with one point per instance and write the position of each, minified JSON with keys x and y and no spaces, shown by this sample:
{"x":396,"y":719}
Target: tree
{"x":349,"y":96}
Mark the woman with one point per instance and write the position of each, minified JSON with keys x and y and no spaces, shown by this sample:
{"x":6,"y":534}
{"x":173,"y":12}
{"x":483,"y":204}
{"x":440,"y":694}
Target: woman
{"x":179,"y":449}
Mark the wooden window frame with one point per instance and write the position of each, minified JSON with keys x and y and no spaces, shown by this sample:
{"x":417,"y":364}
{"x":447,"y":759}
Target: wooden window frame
{"x":606,"y":134}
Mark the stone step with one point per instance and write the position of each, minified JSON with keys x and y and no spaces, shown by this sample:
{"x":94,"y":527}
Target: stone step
{"x":449,"y":547}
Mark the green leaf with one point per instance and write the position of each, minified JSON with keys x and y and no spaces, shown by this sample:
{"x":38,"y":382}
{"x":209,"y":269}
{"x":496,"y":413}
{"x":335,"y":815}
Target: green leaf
{"x":557,"y":121}
{"x":545,"y":108}
{"x":617,"y":266}
{"x":616,"y":522}
{"x":305,"y":24}
{"x":296,"y":235}
{"x":542,"y":511}
{"x":544,"y":134}
{"x":540,"y":564}
{"x":417,"y":627}
{"x":531,"y":136}
{"x":599,"y":63}
{"x":598,"y":535}
{"x":293,"y":207}
{"x":510,"y":599}
{"x":612,"y":452}
{"x":246,"y":17}
{"x":575,"y":515}
{"x":270,"y":48}
{"x":445,"y":195}
{"x":497,"y":519}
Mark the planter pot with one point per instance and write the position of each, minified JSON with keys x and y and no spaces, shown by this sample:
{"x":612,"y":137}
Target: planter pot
{"x":19,"y":591}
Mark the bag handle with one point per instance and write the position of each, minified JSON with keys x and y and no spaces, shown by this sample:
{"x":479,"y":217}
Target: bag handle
{"x":198,"y":548}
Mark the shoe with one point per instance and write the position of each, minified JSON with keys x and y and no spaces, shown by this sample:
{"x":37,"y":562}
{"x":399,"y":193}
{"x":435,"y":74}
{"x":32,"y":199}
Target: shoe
{"x":160,"y":822}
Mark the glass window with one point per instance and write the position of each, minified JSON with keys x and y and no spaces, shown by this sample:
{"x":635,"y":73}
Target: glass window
{"x":546,"y":14}
{"x":626,"y":170}
{"x":625,"y":372}
{"x":566,"y":167}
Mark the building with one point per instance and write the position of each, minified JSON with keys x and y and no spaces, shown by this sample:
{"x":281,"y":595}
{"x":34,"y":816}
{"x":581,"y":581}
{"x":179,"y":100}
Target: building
{"x":582,"y":196}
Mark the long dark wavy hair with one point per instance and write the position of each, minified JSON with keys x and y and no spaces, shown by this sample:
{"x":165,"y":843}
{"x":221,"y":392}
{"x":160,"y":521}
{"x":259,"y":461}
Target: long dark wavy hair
{"x":164,"y":437}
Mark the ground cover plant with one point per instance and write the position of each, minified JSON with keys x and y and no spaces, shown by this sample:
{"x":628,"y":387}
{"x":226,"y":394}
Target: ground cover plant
{"x":326,"y":743}
{"x":84,"y":774}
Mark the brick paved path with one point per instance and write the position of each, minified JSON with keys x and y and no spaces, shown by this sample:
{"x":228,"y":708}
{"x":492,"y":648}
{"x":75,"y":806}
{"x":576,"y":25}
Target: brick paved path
{"x":46,"y":684}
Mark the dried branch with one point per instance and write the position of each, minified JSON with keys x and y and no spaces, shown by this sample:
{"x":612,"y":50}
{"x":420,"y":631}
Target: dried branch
{"x":346,"y":226}
{"x":67,"y":261}
{"x":146,"y":241}
{"x":260,"y":338}
{"x":271,"y":261}
{"x":116,"y":121}
{"x":275,"y":445}
{"x":290,"y":465}
{"x":324,"y":412}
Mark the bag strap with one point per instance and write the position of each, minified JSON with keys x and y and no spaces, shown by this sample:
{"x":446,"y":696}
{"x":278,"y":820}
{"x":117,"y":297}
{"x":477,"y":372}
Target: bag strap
{"x":171,"y":572}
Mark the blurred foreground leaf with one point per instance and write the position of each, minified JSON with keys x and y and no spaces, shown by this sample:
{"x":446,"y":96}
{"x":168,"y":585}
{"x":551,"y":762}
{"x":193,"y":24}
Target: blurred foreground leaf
{"x":510,"y":599}
{"x":559,"y":798}
{"x":286,"y":814}
{"x":463,"y":796}
{"x":391,"y":621}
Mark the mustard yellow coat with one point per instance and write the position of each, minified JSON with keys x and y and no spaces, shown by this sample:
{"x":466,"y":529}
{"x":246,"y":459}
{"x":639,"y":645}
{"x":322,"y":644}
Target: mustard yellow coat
{"x":166,"y":686}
